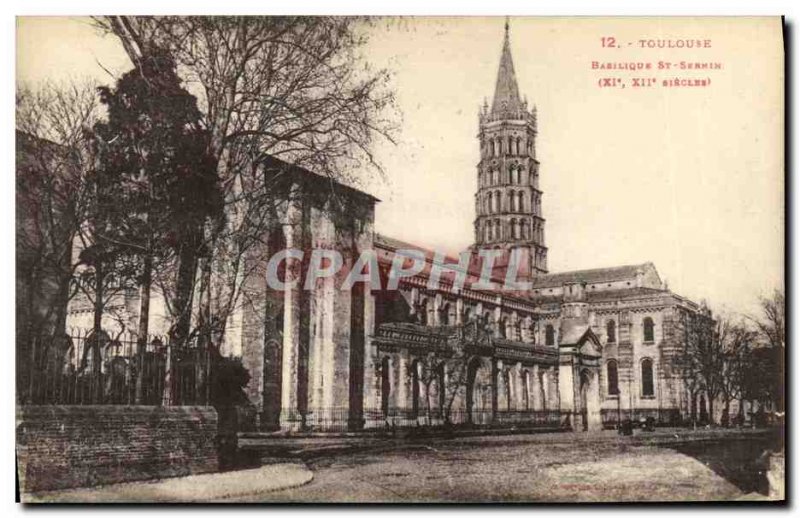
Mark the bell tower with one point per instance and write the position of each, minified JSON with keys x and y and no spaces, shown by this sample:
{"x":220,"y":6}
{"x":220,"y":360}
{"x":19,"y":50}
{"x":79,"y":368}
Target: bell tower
{"x":508,"y":204}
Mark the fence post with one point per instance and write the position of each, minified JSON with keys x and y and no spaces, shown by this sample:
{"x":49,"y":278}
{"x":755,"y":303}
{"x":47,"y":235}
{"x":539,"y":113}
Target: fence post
{"x":141,"y":345}
{"x":168,"y":395}
{"x":207,"y":377}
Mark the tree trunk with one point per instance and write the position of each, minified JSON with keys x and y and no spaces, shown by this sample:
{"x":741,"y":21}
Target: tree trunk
{"x":710,"y":403}
{"x":97,"y":330}
{"x":187,"y":268}
{"x":144,"y":326}
{"x":726,"y":412}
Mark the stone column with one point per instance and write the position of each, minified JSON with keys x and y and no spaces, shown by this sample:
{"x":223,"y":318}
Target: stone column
{"x":338,"y":325}
{"x":438,"y":302}
{"x":502,"y":387}
{"x":520,"y":388}
{"x":366,"y":241}
{"x":290,"y":411}
{"x":322,"y":346}
{"x":460,"y":311}
{"x":536,"y":389}
{"x":593,"y":412}
{"x":402,"y":381}
{"x":361,"y":309}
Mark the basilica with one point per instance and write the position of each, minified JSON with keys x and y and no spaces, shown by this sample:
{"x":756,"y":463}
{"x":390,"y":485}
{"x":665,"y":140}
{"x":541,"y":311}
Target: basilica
{"x":583,"y":349}
{"x":577,"y":349}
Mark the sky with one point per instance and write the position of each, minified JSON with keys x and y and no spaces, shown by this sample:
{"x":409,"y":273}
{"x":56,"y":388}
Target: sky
{"x":690,"y":179}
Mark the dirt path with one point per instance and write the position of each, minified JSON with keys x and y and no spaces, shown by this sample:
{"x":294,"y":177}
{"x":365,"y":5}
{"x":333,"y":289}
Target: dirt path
{"x":528,"y":472}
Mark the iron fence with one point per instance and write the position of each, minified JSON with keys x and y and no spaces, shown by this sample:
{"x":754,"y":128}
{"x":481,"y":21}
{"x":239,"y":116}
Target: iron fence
{"x":660,"y":416}
{"x":80,"y":369}
{"x":341,"y":419}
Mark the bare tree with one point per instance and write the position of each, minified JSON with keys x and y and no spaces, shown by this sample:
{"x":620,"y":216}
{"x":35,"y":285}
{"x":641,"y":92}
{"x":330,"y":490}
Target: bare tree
{"x":770,"y":361}
{"x":772,"y":322}
{"x":699,"y":359}
{"x":294,"y":88}
{"x":736,"y":366}
{"x":457,"y":364}
{"x":52,"y":157}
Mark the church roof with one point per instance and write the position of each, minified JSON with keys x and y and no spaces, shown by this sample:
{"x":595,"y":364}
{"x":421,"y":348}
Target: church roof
{"x":614,"y":273}
{"x":574,"y":335}
{"x":312,"y":179}
{"x":506,"y":91}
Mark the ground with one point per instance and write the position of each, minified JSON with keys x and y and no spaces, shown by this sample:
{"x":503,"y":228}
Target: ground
{"x":666,"y":465}
{"x":540,"y":468}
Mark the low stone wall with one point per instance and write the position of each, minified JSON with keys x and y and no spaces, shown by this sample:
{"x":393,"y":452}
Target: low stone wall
{"x":75,"y":446}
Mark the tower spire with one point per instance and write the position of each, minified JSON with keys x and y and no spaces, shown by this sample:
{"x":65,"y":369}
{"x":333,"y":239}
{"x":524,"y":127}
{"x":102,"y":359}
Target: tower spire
{"x":508,"y":204}
{"x":506,"y":91}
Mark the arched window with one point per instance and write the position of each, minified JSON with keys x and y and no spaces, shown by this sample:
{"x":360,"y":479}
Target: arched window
{"x":613,"y":378}
{"x":549,"y":335}
{"x":444,"y":315}
{"x":423,"y":312}
{"x":521,"y":201}
{"x":649,"y":330}
{"x":513,"y":228}
{"x":510,"y":141}
{"x":611,"y":331}
{"x":486,"y":319}
{"x":467,"y":315}
{"x":440,"y":381}
{"x":501,"y":327}
{"x":498,"y":230}
{"x":519,"y":145}
{"x":511,"y":202}
{"x":647,"y":377}
{"x":497,"y":202}
{"x":489,"y":203}
{"x":524,"y":229}
{"x":489,"y":231}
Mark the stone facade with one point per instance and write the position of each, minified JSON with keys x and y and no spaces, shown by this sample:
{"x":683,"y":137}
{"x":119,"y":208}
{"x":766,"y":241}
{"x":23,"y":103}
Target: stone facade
{"x":585,"y":348}
{"x":305,"y":348}
{"x":468,"y":354}
{"x":635,"y":319}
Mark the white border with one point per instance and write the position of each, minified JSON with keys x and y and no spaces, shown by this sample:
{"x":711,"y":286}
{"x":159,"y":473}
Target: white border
{"x":373,"y":7}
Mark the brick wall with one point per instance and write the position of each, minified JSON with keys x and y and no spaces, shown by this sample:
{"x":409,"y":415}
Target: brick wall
{"x":74,"y":446}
